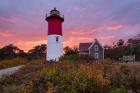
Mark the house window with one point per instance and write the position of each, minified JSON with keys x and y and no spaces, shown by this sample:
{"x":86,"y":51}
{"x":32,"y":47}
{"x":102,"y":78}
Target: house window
{"x":96,"y":55}
{"x":57,"y":39}
{"x":96,"y":48}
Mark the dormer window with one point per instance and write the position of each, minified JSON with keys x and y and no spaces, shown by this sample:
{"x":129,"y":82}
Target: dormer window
{"x":96,"y":48}
{"x":57,"y":39}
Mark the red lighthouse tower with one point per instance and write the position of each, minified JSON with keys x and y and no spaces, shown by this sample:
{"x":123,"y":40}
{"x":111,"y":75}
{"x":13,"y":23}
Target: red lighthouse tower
{"x":55,"y":36}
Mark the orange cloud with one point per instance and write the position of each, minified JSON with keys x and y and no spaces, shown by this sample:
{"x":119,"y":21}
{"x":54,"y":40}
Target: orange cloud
{"x":27,"y":45}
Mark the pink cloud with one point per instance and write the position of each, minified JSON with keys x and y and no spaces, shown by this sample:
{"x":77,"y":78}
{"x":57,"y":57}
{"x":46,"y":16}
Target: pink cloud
{"x":86,"y":34}
{"x":72,"y":37}
{"x":28,"y":35}
{"x":6,"y":34}
{"x":1,"y":18}
{"x":112,"y":27}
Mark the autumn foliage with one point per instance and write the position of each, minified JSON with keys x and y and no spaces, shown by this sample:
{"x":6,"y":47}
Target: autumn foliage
{"x":65,"y":77}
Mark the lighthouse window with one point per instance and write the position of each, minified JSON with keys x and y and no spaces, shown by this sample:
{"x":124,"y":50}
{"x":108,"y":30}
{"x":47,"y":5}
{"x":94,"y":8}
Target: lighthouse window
{"x":57,"y":39}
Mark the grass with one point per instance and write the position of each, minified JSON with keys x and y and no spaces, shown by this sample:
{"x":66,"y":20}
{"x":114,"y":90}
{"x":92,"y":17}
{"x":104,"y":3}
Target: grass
{"x":20,"y":61}
{"x":13,"y":62}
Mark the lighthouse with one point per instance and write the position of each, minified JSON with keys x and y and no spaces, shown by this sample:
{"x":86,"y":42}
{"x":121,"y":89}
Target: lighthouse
{"x":55,"y":36}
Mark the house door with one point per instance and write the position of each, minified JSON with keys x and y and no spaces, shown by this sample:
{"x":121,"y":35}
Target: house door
{"x":96,"y":55}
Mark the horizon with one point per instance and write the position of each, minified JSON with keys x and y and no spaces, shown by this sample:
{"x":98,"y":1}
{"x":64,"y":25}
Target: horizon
{"x":23,"y":24}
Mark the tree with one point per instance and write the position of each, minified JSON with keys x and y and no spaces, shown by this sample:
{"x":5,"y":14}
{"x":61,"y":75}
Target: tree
{"x":115,"y":52}
{"x":9,"y":51}
{"x":38,"y":51}
{"x":69,"y":51}
{"x":134,"y":46}
{"x":120,"y":43}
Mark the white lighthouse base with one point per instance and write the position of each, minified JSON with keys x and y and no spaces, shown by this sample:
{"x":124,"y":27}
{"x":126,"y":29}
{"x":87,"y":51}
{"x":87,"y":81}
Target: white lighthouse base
{"x":54,"y":47}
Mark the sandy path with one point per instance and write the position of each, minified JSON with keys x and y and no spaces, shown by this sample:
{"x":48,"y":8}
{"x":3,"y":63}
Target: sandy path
{"x":9,"y":71}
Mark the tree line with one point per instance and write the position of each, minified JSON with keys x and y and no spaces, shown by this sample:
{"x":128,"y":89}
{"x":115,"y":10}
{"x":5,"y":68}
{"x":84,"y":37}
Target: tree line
{"x":116,"y":51}
{"x":11,"y":51}
{"x":122,"y":48}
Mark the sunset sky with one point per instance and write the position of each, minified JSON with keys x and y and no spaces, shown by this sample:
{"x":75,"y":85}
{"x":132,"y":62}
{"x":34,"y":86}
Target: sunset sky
{"x":22,"y":22}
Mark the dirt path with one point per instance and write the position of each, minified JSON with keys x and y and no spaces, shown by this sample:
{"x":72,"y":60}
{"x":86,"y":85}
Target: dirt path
{"x":9,"y":71}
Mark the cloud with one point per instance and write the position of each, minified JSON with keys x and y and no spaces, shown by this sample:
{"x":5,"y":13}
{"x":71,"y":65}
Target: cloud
{"x":23,"y":22}
{"x":6,"y":34}
{"x":112,"y":27}
{"x":27,"y":45}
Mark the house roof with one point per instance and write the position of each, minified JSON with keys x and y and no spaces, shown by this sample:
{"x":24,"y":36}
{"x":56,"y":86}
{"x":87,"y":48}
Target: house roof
{"x":84,"y":46}
{"x":95,"y":40}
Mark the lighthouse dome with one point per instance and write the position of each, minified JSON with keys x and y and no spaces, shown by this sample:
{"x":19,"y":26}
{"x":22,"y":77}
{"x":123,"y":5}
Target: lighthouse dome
{"x":55,"y":12}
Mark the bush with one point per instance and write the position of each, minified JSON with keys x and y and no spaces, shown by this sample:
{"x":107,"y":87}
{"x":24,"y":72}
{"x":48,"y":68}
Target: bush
{"x":107,"y":61}
{"x":38,"y":61}
{"x":76,"y":78}
{"x":76,"y":58}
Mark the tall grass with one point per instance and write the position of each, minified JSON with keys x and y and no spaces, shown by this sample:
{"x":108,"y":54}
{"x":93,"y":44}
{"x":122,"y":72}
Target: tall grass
{"x":13,"y":62}
{"x":73,"y":78}
{"x":73,"y":75}
{"x":77,"y":58}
